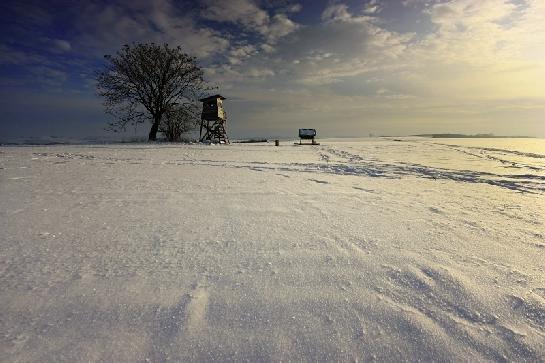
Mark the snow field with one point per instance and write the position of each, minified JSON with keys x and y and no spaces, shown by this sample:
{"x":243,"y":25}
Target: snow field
{"x":386,"y":250}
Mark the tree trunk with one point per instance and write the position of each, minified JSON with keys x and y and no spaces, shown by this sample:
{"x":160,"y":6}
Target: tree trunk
{"x":153,"y":132}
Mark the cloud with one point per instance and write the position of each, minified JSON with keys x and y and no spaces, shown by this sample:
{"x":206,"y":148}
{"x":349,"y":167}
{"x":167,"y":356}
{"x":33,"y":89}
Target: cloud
{"x":251,"y":17}
{"x":295,"y":8}
{"x":470,"y":13}
{"x":11,"y":55}
{"x":260,"y":72}
{"x":48,"y":77}
{"x":417,"y":3}
{"x":37,"y":77}
{"x":337,"y":12}
{"x":279,"y":26}
{"x":481,"y":50}
{"x":238,"y":54}
{"x":373,"y":7}
{"x":245,"y":12}
{"x":61,"y":45}
{"x":342,"y":45}
{"x":267,"y":48}
{"x":475,"y":33}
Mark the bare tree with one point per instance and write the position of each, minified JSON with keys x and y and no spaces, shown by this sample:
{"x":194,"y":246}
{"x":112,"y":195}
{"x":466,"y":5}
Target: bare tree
{"x":179,"y":120}
{"x":144,"y":82}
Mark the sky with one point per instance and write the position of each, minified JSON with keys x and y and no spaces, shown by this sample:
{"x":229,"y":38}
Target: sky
{"x":346,"y":68}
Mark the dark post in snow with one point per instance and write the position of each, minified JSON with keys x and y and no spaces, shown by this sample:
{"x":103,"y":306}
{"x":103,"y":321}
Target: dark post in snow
{"x":213,"y":120}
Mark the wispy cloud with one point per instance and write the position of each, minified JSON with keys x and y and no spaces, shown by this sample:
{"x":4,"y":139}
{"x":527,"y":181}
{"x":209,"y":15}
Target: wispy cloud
{"x":248,"y":15}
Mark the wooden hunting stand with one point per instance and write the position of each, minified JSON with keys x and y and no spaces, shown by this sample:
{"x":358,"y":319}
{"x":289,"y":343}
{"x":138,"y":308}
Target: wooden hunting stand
{"x":213,"y":119}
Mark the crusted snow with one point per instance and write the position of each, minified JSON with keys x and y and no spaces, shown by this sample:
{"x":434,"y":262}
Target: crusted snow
{"x":416,"y":249}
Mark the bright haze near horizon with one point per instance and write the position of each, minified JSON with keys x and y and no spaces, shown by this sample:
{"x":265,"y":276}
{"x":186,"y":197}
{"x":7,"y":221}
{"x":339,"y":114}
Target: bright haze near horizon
{"x":346,"y":68}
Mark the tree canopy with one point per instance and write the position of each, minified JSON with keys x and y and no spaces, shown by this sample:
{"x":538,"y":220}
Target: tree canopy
{"x":146,"y":82}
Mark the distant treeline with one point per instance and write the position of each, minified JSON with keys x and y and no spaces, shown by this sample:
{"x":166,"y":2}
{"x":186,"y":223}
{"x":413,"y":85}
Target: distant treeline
{"x":476,"y":136}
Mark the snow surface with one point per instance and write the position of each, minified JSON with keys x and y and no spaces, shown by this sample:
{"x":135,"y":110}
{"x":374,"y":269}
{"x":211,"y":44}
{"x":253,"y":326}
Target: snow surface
{"x":418,"y":249}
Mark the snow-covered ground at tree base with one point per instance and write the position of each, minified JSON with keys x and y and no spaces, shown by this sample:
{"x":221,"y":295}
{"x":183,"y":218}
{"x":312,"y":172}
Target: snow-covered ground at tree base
{"x":407,"y":250}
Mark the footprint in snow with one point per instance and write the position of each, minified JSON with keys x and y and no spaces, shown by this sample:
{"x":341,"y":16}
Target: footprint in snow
{"x":436,"y":210}
{"x":363,"y":189}
{"x":319,"y":181}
